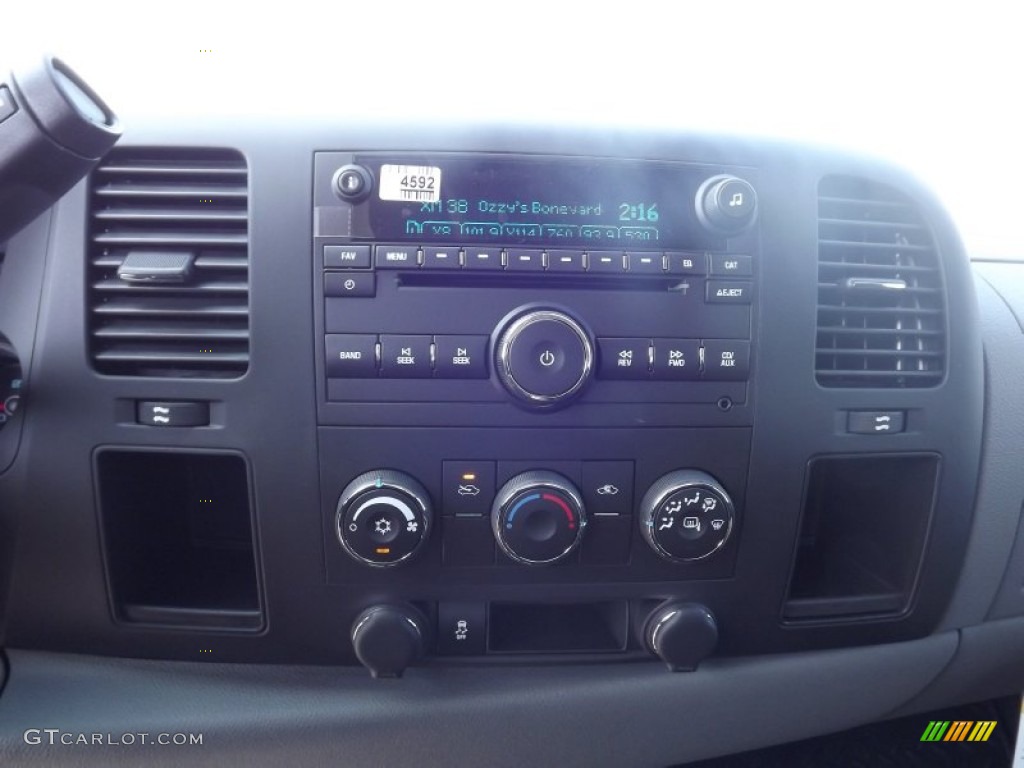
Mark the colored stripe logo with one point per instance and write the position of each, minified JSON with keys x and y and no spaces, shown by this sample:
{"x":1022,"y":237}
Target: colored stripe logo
{"x":958,"y":730}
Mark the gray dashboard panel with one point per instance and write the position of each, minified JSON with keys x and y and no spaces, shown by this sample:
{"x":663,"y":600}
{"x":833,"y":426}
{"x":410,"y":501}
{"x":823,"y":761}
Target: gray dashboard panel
{"x":624,"y":714}
{"x":1001,"y":483}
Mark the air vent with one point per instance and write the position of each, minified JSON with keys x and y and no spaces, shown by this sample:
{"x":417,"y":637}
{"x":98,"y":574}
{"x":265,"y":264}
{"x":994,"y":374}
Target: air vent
{"x":881,"y":301}
{"x":168,"y":276}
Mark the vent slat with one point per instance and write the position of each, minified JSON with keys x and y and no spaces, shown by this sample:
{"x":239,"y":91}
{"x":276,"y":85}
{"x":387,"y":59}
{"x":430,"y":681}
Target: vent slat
{"x":166,"y":200}
{"x":849,"y":331}
{"x":871,"y":246}
{"x":872,"y":224}
{"x":166,"y":214}
{"x":207,"y":286}
{"x":196,"y":191}
{"x":156,"y":169}
{"x":170,"y":307}
{"x":170,"y":331}
{"x":171,"y":238}
{"x":877,"y":338}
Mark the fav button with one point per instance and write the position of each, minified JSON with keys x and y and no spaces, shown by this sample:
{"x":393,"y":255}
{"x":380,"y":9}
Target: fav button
{"x":346,"y":257}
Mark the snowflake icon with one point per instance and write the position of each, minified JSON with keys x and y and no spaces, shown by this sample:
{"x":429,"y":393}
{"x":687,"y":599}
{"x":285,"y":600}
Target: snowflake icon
{"x":382,"y":527}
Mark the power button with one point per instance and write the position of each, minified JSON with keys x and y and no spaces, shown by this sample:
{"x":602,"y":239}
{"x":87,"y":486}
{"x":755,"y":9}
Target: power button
{"x":544,"y":357}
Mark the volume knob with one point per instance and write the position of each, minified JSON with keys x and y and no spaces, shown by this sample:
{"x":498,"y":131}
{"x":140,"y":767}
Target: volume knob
{"x":544,"y":358}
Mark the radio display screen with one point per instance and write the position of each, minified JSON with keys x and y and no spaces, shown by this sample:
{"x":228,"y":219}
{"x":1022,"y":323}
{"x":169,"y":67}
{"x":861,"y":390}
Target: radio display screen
{"x":531,"y":201}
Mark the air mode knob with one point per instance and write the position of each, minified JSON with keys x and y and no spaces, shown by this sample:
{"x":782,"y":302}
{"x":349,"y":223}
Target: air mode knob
{"x":538,"y":518}
{"x":383,"y":517}
{"x":686,"y":515}
{"x":726,"y":204}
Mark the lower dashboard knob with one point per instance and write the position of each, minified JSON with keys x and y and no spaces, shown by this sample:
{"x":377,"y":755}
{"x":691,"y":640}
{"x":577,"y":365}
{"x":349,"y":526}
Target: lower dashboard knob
{"x":383,"y":517}
{"x":387,"y":639}
{"x":681,"y":634}
{"x":538,"y":518}
{"x":686,"y":515}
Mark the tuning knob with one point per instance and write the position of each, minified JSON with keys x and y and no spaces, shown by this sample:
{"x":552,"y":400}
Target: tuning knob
{"x":387,"y":639}
{"x":681,"y":634}
{"x":383,"y":517}
{"x":686,"y":515}
{"x":543,"y":358}
{"x":726,"y":204}
{"x":538,"y":518}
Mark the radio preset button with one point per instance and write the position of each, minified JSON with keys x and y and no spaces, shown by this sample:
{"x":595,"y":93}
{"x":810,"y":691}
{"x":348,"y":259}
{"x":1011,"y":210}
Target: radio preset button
{"x":441,"y":258}
{"x":686,"y":263}
{"x":524,"y":260}
{"x":483,"y":258}
{"x":351,"y":356}
{"x":460,"y":357}
{"x":645,"y":263}
{"x":397,"y":257}
{"x":565,"y":261}
{"x":726,"y":360}
{"x":599,"y":261}
{"x":346,"y":257}
{"x":677,"y":359}
{"x":624,"y":358}
{"x":350,"y":284}
{"x":405,"y":356}
{"x":732,"y":265}
{"x":729,"y":291}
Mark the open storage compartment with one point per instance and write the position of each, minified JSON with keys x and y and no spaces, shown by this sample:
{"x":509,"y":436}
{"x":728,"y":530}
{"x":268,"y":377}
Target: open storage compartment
{"x":558,"y":627}
{"x":862,"y":535}
{"x":178,"y":538}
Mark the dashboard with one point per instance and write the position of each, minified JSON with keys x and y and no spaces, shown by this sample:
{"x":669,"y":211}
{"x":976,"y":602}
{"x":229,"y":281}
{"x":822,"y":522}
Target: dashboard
{"x":549,"y":424}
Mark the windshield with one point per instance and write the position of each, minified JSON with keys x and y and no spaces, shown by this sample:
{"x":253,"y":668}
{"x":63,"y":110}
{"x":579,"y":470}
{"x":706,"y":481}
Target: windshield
{"x":930,"y":87}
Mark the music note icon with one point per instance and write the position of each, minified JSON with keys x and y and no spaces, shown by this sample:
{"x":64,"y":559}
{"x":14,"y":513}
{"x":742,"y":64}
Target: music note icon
{"x":737,"y":199}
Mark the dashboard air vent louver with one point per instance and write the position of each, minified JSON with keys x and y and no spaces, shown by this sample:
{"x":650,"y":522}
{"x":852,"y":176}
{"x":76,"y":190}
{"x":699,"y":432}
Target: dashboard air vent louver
{"x":168,"y":276}
{"x":881,"y":298}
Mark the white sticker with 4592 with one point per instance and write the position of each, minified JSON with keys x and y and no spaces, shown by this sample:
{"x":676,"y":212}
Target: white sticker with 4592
{"x":410,"y":183}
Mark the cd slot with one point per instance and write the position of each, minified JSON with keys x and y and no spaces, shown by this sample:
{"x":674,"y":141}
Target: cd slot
{"x":547,"y":280}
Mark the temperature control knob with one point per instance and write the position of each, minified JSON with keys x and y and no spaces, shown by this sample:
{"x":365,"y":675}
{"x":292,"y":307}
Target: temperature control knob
{"x":538,"y":518}
{"x":686,"y":515}
{"x":726,"y":204}
{"x":383,"y":517}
